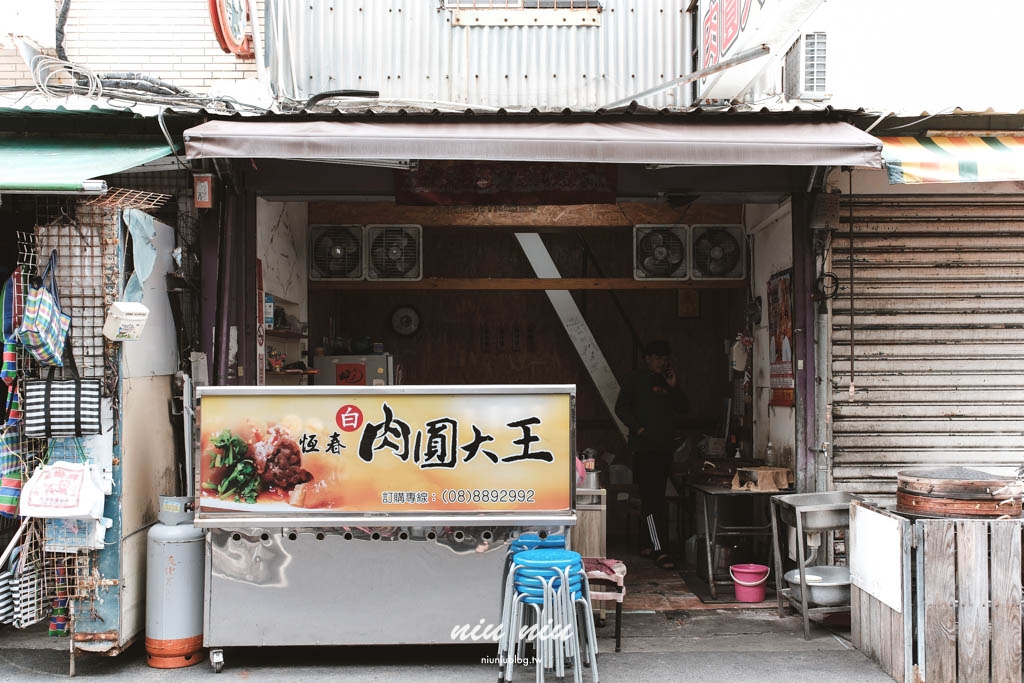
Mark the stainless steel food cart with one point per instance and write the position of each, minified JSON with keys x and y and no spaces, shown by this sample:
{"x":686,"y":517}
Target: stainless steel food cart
{"x":372,"y":515}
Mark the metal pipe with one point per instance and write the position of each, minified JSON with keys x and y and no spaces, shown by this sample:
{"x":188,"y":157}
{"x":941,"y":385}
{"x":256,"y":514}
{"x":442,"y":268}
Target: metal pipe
{"x":257,"y":44}
{"x":803,"y":342}
{"x":853,"y":355}
{"x":14,"y":541}
{"x":742,"y":57}
{"x":222,"y":335}
{"x":823,"y":385}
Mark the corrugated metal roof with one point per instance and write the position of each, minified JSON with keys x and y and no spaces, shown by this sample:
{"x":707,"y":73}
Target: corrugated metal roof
{"x":37,"y":103}
{"x":32,"y":102}
{"x":412,"y":50}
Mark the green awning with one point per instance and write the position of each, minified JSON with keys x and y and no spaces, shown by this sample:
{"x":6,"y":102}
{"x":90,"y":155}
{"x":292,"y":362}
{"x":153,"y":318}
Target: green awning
{"x":65,"y":164}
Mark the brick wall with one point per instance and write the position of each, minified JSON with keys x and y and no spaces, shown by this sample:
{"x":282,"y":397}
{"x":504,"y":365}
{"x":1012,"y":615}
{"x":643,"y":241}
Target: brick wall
{"x":168,"y":39}
{"x":12,"y":68}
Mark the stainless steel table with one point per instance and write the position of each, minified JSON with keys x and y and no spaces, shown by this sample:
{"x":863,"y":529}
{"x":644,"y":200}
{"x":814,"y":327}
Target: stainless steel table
{"x":710,"y":497}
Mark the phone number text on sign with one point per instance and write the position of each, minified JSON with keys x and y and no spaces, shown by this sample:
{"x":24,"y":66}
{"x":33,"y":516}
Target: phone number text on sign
{"x":449,"y":496}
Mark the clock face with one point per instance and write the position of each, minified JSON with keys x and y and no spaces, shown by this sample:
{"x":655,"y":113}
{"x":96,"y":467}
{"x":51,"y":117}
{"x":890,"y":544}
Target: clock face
{"x":235,"y":11}
{"x":405,"y":320}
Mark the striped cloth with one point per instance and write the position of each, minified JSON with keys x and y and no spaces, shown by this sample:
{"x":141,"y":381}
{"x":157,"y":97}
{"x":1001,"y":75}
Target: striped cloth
{"x":13,"y":407}
{"x":10,"y":494}
{"x":966,"y":159}
{"x":10,"y":473}
{"x":9,"y":369}
{"x":11,"y":312}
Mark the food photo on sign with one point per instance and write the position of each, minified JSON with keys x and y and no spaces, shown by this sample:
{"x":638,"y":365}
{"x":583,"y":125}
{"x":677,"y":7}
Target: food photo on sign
{"x":385,"y":454}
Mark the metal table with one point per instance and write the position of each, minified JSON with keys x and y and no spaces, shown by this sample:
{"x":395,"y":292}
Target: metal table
{"x":713,"y":528}
{"x":807,"y":513}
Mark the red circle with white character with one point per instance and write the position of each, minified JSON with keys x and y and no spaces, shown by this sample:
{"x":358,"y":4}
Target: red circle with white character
{"x":349,"y":418}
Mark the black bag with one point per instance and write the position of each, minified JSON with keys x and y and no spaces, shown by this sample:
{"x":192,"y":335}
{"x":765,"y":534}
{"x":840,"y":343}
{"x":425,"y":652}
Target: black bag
{"x":61,"y":407}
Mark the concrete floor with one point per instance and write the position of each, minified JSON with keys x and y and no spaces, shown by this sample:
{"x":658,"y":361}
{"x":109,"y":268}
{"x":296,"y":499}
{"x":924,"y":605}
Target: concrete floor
{"x":668,"y":635}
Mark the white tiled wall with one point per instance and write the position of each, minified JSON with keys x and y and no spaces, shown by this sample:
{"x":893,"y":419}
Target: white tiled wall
{"x":172,"y":40}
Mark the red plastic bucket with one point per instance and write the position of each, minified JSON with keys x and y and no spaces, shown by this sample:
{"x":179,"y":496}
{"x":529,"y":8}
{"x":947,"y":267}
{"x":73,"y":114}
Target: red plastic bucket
{"x":749,"y":580}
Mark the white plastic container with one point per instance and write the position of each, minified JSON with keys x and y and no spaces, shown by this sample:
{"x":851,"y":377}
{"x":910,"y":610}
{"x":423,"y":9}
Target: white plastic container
{"x":125,"y":321}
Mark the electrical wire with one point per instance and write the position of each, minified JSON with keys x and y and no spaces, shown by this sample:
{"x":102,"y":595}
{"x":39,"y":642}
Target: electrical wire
{"x":827,"y":285}
{"x":58,"y":78}
{"x":167,"y":136}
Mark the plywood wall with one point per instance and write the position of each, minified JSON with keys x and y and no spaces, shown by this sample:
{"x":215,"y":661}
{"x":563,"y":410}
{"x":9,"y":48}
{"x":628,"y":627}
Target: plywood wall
{"x":514,"y":336}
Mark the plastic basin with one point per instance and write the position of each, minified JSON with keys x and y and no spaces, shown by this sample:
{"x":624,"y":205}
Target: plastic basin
{"x":827,"y":585}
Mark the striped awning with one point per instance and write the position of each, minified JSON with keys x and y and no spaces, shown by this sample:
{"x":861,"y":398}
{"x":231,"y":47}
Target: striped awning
{"x":967,"y":159}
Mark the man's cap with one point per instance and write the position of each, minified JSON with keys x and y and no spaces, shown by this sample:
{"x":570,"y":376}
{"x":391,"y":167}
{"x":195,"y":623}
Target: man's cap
{"x":657,"y":347}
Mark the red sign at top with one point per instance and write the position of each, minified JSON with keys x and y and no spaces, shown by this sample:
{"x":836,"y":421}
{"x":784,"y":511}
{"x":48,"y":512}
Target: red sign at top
{"x":230,"y":20}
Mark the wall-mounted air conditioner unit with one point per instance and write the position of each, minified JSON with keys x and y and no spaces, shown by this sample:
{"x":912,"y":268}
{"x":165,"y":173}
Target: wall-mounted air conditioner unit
{"x":805,"y":68}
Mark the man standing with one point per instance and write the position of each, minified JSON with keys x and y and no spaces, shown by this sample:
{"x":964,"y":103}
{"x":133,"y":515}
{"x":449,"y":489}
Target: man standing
{"x":650,"y":404}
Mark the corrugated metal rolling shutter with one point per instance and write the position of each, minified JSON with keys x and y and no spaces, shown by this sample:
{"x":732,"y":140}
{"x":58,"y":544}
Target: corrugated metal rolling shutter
{"x":937,"y":340}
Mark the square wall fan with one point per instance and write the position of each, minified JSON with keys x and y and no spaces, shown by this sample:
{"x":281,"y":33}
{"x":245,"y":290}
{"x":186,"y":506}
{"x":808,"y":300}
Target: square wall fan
{"x":336,"y":252}
{"x":660,"y":252}
{"x":718,"y":252}
{"x":394,"y":252}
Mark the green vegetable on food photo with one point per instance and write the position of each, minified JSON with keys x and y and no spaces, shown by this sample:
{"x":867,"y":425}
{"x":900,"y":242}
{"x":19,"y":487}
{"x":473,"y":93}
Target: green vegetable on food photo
{"x":242,"y":482}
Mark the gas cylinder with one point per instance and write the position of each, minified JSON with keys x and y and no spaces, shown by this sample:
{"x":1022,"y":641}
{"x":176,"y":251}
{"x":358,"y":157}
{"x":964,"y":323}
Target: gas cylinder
{"x":174,"y":586}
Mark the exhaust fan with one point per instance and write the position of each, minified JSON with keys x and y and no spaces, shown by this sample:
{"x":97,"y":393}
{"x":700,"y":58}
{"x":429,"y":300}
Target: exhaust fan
{"x":659,"y":252}
{"x":336,"y":252}
{"x":717,"y":252}
{"x":395,"y":252}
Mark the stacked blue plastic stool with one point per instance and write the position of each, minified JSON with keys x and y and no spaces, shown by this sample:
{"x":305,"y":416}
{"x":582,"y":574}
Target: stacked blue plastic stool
{"x":550,"y":585}
{"x":532,"y":541}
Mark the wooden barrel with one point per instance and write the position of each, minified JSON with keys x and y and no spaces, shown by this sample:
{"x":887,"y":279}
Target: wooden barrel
{"x":957,"y":492}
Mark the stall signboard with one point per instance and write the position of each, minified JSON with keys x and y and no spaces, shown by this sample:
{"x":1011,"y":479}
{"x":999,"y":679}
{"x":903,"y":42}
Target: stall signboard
{"x":377,"y":450}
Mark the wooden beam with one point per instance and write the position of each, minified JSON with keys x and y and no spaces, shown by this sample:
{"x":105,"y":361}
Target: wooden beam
{"x":521,"y":284}
{"x":546,"y":217}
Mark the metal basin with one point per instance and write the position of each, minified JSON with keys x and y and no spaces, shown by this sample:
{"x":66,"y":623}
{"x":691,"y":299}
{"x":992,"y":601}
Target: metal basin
{"x":832,"y":509}
{"x":827,"y":586}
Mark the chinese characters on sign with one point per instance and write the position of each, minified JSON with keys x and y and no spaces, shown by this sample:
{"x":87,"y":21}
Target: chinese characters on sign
{"x":436,"y":446}
{"x":722,"y":22}
{"x":369,"y":453}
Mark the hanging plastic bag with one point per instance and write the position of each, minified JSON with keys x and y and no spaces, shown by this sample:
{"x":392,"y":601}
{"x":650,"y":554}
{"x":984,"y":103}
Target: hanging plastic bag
{"x":61,"y":407}
{"x":44,"y":327}
{"x":68,"y":490}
